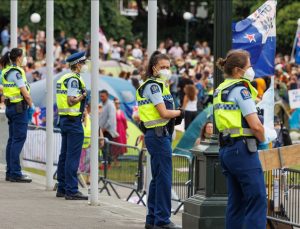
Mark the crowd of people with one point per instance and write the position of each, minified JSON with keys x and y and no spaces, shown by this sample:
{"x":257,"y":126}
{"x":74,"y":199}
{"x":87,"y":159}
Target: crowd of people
{"x":191,"y":83}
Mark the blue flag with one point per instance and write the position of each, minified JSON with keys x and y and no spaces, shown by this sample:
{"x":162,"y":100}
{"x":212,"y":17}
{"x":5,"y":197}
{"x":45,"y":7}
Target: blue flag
{"x":297,"y":47}
{"x":257,"y":35}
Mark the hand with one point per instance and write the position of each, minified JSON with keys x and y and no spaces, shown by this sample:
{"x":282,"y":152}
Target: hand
{"x":263,"y":146}
{"x":32,"y":108}
{"x":182,"y":113}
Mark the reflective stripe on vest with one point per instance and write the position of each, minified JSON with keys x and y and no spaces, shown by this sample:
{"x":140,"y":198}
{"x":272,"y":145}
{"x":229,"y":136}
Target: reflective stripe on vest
{"x":228,"y":115}
{"x":234,"y":131}
{"x":12,"y":98}
{"x":10,"y":89}
{"x":147,"y":111}
{"x":69,"y":110}
{"x":62,"y":95}
{"x":156,"y":122}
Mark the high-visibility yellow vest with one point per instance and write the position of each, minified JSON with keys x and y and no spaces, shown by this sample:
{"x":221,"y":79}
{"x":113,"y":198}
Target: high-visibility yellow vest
{"x":87,"y":133}
{"x":228,"y":116}
{"x":147,"y":111}
{"x":62,"y":95}
{"x":10,"y":89}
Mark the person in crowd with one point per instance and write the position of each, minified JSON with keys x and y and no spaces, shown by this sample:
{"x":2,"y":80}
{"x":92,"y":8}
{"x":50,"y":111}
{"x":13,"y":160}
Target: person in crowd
{"x":36,"y":76}
{"x":17,"y":99}
{"x":173,"y":83}
{"x":189,"y":104}
{"x":108,"y":124}
{"x":176,"y":51}
{"x":240,"y":128}
{"x":182,"y":82}
{"x":70,"y":98}
{"x":84,"y":163}
{"x":121,"y":129}
{"x":283,"y":135}
{"x":2,"y":98}
{"x":115,"y":51}
{"x":5,"y":36}
{"x":137,"y":53}
{"x":158,"y":117}
{"x":161,"y":48}
{"x":205,"y":133}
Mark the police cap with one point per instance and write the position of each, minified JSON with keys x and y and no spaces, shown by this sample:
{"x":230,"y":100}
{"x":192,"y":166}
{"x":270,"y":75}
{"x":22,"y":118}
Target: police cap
{"x":76,"y":58}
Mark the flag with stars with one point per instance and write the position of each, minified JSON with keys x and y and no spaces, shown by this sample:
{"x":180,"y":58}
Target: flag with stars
{"x":257,"y":35}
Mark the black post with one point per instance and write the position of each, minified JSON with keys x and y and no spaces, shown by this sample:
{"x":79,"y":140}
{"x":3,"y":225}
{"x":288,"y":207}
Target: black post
{"x":187,"y":31}
{"x":206,"y":209}
{"x":222,"y":36}
{"x":35,"y":32}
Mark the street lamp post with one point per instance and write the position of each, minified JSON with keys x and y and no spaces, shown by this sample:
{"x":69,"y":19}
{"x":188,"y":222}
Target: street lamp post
{"x":206,"y":208}
{"x":35,"y":18}
{"x":187,"y":16}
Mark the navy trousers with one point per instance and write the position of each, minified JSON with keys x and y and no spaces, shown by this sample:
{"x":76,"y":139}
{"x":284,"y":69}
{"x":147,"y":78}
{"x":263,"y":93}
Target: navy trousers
{"x":17,"y":124}
{"x":247,"y":202}
{"x":159,"y":196}
{"x":71,"y":146}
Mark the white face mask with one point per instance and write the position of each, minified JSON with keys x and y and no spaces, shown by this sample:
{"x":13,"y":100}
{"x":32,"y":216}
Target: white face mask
{"x":164,"y":74}
{"x":84,"y":68}
{"x":24,"y":61}
{"x":249,"y":74}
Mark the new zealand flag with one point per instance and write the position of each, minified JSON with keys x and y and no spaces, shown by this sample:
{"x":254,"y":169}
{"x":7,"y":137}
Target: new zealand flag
{"x":257,"y":35}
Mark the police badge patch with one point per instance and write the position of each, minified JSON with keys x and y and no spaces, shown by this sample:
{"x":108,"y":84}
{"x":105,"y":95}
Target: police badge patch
{"x":245,"y":93}
{"x":154,"y":89}
{"x":74,"y":84}
{"x":18,"y":75}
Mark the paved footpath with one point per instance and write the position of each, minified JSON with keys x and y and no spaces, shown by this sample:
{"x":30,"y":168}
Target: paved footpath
{"x":29,"y":206}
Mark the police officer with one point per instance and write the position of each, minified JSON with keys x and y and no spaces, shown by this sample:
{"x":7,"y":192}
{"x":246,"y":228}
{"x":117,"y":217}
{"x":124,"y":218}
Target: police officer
{"x":17,"y":99}
{"x":157,"y":114}
{"x":70,"y":97}
{"x":240,"y":128}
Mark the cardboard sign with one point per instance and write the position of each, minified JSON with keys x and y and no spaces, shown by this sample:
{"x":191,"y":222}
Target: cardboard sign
{"x":294,"y":98}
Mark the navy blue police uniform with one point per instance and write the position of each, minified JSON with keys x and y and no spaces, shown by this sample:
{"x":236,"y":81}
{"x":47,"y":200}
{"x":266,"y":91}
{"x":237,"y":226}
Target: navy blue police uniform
{"x":71,"y":131}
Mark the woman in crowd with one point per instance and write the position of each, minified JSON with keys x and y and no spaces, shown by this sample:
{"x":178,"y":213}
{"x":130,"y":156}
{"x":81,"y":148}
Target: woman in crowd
{"x":205,"y":133}
{"x":189,"y":104}
{"x":122,"y":138}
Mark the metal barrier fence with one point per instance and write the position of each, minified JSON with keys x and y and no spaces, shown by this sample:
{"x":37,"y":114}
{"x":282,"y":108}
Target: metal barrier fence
{"x":129,"y":173}
{"x":34,"y":149}
{"x":283,"y":192}
{"x":122,"y":165}
{"x":182,"y":178}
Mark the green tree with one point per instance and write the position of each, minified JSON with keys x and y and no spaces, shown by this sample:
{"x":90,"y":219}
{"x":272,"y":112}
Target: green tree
{"x":72,"y":16}
{"x":286,"y":26}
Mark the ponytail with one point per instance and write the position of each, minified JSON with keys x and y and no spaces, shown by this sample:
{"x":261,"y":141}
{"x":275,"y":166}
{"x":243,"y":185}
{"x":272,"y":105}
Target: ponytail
{"x":10,"y":57}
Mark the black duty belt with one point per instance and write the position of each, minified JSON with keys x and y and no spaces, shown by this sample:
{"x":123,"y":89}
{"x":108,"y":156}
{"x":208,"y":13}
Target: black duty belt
{"x":159,"y":131}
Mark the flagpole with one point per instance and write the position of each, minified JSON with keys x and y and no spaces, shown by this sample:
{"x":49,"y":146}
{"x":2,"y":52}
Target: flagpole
{"x":295,"y":41}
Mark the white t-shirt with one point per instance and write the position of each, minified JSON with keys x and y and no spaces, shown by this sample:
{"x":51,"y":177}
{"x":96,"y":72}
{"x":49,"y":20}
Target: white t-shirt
{"x":191,"y":105}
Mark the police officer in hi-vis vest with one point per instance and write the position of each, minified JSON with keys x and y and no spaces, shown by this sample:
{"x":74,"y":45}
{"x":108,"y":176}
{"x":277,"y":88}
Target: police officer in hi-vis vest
{"x":158,"y":117}
{"x":240,"y":130}
{"x":17,"y":100}
{"x":70,"y":97}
